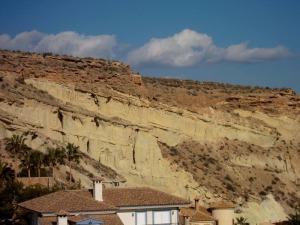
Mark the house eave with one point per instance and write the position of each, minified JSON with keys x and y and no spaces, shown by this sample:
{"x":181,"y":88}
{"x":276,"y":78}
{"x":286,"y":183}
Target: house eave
{"x":74,"y":213}
{"x":124,"y":208}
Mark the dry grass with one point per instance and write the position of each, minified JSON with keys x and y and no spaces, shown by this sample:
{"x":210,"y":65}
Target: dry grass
{"x":212,"y":167}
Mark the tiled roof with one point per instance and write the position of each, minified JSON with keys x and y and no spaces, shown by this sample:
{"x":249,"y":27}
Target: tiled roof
{"x":126,"y":197}
{"x":48,"y":220}
{"x":187,"y":211}
{"x":191,"y":211}
{"x":222,"y":204}
{"x":70,"y":201}
{"x":203,"y":209}
{"x":201,"y":216}
{"x":82,"y":200}
{"x":62,"y":213}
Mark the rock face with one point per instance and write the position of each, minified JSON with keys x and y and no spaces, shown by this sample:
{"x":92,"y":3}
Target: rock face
{"x":186,"y":138}
{"x":261,"y":211}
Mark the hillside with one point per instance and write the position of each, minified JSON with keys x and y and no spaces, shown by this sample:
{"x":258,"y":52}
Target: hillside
{"x":189,"y":138}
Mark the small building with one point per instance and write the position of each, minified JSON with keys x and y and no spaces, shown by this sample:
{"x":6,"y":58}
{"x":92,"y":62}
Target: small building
{"x":219,"y":213}
{"x":223,"y":212}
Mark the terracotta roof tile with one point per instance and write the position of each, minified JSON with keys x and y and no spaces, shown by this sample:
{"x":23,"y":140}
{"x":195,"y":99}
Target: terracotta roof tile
{"x":125,"y":197}
{"x":191,"y":211}
{"x":202,"y":209}
{"x":48,"y":220}
{"x":136,"y":197}
{"x":187,"y":211}
{"x":62,"y":213}
{"x":222,"y":204}
{"x":82,"y":200}
{"x":70,"y":201}
{"x":201,"y":216}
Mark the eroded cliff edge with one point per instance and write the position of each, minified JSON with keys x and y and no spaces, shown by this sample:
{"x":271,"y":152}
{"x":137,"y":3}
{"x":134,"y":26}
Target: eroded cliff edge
{"x":184,"y":137}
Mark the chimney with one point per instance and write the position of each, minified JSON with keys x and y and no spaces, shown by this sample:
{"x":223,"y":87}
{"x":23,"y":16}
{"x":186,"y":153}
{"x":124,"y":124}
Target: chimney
{"x":62,"y":217}
{"x":186,"y":219}
{"x":97,"y":189}
{"x":196,"y":204}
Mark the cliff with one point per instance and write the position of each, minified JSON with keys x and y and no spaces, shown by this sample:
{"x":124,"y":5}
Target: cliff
{"x":189,"y":138}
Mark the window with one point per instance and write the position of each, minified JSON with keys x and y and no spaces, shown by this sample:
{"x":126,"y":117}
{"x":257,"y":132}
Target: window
{"x":141,"y":218}
{"x":162,"y":217}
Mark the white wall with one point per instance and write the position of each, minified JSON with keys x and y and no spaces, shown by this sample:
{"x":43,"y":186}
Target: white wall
{"x":175,"y":216}
{"x":127,"y":218}
{"x":224,"y":216}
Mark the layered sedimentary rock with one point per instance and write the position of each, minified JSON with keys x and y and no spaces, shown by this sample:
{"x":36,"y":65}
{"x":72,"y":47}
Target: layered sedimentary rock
{"x":186,"y":138}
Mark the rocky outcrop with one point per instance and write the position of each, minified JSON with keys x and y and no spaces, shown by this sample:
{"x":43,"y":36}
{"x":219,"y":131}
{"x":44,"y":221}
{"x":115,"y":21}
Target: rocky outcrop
{"x":195,"y":141}
{"x":266,"y":211}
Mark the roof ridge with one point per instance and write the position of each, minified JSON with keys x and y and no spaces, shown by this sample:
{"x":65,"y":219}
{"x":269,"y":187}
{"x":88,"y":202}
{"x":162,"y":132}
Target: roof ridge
{"x":204,"y":213}
{"x":92,"y":199}
{"x":43,"y":196}
{"x":201,"y":216}
{"x":113,"y":199}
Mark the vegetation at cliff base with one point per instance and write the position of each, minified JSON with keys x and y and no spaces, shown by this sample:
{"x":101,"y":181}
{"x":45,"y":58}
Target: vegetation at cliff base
{"x":31,"y":162}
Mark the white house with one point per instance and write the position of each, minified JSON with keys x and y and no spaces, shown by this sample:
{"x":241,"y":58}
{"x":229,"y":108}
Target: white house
{"x":107,"y":206}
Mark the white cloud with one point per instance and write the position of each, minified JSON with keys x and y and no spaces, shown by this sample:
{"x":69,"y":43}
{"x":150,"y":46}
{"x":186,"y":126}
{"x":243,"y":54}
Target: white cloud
{"x":189,"y":48}
{"x":240,"y":53}
{"x":70,"y":43}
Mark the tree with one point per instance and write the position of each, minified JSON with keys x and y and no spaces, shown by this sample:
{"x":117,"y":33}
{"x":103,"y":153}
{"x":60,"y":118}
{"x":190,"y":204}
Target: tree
{"x":14,"y":193}
{"x":27,"y":161}
{"x":241,"y":220}
{"x":6,"y":174}
{"x":54,"y":157}
{"x":16,"y":146}
{"x":73,"y":155}
{"x":38,"y":160}
{"x":9,"y":198}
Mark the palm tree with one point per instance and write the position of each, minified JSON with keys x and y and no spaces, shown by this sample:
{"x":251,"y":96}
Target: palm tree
{"x":54,"y":157}
{"x":16,"y":146}
{"x":38,"y":160}
{"x":6,"y":173}
{"x":27,"y":161}
{"x":241,"y":220}
{"x":73,"y":155}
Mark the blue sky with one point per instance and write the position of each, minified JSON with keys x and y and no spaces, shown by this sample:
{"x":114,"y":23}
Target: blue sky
{"x":247,"y":42}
